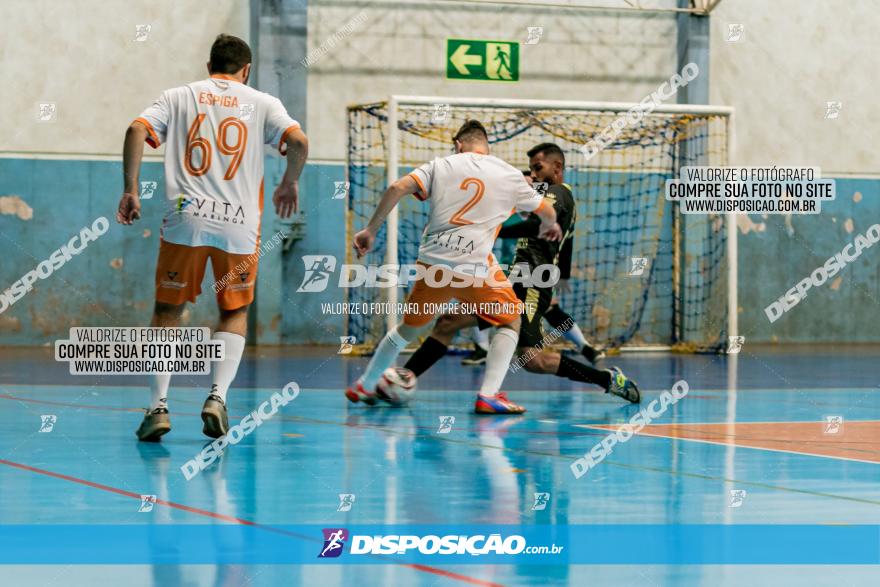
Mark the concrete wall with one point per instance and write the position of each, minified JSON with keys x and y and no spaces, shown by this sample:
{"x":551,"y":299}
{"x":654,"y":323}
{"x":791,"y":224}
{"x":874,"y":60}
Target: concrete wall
{"x":793,"y":58}
{"x":401,"y":49}
{"x":82,"y":56}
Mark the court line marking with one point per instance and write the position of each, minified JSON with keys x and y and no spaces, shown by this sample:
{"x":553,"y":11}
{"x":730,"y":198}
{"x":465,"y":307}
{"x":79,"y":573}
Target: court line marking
{"x":340,"y":389}
{"x":558,"y":456}
{"x":734,"y":444}
{"x":232,"y":519}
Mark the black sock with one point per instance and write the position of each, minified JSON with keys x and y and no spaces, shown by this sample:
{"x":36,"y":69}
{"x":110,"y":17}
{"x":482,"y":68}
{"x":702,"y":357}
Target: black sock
{"x":431,"y":351}
{"x":577,"y":371}
{"x":557,"y":317}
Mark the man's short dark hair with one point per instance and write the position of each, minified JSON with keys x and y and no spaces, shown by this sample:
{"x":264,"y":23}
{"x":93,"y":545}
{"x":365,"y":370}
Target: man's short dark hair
{"x":547,"y":149}
{"x":470,"y":131}
{"x":229,"y":54}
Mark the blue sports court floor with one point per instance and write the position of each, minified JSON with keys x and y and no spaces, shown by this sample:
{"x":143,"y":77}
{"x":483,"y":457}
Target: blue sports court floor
{"x":753,"y":422}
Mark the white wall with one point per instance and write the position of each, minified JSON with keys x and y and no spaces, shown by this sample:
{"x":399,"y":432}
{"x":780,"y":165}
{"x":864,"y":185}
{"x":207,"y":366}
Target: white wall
{"x":81,"y":54}
{"x":401,"y":49}
{"x":794,"y":57}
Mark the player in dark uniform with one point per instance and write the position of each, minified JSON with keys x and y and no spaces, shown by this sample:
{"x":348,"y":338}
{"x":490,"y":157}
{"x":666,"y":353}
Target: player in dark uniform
{"x":558,"y":318}
{"x":547,"y":162}
{"x":555,"y":316}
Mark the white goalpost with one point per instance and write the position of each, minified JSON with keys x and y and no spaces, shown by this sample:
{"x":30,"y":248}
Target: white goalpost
{"x":388,"y":139}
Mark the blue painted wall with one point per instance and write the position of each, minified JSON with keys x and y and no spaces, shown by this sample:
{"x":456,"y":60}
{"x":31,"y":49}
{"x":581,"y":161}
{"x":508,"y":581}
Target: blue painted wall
{"x":844,"y":309}
{"x":95,"y":289}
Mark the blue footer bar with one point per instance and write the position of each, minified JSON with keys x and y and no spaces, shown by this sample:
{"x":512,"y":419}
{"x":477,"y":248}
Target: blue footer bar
{"x":440,"y":544}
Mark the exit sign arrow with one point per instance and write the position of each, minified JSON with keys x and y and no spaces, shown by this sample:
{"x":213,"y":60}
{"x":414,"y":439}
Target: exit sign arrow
{"x":460,"y":59}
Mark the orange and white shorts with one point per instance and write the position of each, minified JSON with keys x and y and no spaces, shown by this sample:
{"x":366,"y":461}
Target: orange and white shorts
{"x":495,"y":305}
{"x":181,"y":269}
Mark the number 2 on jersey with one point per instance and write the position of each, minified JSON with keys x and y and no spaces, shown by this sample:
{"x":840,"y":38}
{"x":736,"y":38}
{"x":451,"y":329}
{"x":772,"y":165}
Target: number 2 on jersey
{"x":458,"y":218}
{"x":193,"y":142}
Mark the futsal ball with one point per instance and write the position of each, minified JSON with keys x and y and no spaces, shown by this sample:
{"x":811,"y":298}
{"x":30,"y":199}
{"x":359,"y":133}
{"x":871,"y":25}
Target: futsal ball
{"x":397,"y":386}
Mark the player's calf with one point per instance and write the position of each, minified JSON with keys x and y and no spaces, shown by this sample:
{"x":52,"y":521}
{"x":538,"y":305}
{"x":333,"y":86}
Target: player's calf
{"x":538,"y":361}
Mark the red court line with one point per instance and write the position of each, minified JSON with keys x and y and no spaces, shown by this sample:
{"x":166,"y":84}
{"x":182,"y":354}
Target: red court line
{"x":232,"y":519}
{"x":67,"y":404}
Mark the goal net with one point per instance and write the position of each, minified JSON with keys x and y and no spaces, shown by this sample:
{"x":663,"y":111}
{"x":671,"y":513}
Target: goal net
{"x":643,"y":274}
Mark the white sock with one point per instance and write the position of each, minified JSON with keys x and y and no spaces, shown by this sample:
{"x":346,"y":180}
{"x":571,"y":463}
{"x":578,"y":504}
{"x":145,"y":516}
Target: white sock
{"x":500,"y":353}
{"x":481,"y":337}
{"x":385,"y":355}
{"x":224,"y":371}
{"x":159,"y":390}
{"x":575,"y":335}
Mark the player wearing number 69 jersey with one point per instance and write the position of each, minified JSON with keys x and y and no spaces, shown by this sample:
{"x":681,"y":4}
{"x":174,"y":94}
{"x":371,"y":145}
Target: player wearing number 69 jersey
{"x":213,"y":131}
{"x":470,"y":194}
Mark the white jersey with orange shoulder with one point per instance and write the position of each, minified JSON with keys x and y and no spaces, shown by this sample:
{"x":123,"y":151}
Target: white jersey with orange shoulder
{"x":214,"y":131}
{"x":470,"y":195}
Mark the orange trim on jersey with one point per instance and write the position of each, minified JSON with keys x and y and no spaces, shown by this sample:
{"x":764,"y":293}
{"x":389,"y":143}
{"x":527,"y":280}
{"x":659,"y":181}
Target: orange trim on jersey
{"x":498,"y":230}
{"x":260,"y":224}
{"x":541,"y":205}
{"x":224,"y":76}
{"x":286,"y":132}
{"x":424,"y":192}
{"x":152,"y":138}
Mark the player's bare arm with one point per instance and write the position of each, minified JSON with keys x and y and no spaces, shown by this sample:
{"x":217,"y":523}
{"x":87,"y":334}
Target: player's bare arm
{"x":550,"y":229}
{"x":286,"y":196}
{"x":363,"y":240}
{"x":132,"y":153}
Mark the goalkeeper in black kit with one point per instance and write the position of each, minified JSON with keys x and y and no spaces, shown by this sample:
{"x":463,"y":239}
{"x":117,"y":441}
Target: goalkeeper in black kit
{"x":547,"y":164}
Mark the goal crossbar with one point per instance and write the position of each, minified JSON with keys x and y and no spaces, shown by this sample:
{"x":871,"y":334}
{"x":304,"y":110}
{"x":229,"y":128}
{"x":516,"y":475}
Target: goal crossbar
{"x":394,"y":102}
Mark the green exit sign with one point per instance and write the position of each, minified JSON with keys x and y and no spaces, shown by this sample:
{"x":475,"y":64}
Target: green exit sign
{"x":494,"y":61}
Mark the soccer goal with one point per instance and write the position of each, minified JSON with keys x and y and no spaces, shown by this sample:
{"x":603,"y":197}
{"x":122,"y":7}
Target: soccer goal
{"x":644,"y":275}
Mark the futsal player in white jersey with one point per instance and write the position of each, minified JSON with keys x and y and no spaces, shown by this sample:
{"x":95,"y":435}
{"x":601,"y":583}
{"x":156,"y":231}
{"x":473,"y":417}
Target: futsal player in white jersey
{"x":213,"y":131}
{"x":470,"y":193}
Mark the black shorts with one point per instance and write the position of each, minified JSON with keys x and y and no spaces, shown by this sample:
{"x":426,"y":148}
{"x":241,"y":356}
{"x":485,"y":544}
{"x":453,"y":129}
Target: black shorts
{"x":536,"y":302}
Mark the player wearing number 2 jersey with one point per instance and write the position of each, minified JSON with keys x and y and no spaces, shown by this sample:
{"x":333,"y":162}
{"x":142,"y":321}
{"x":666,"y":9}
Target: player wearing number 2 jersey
{"x":213,"y":131}
{"x":470,"y":194}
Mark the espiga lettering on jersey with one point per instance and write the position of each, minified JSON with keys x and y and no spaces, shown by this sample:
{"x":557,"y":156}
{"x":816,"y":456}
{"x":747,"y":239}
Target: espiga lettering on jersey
{"x":215,"y":100}
{"x":76,"y":245}
{"x":834,"y":265}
